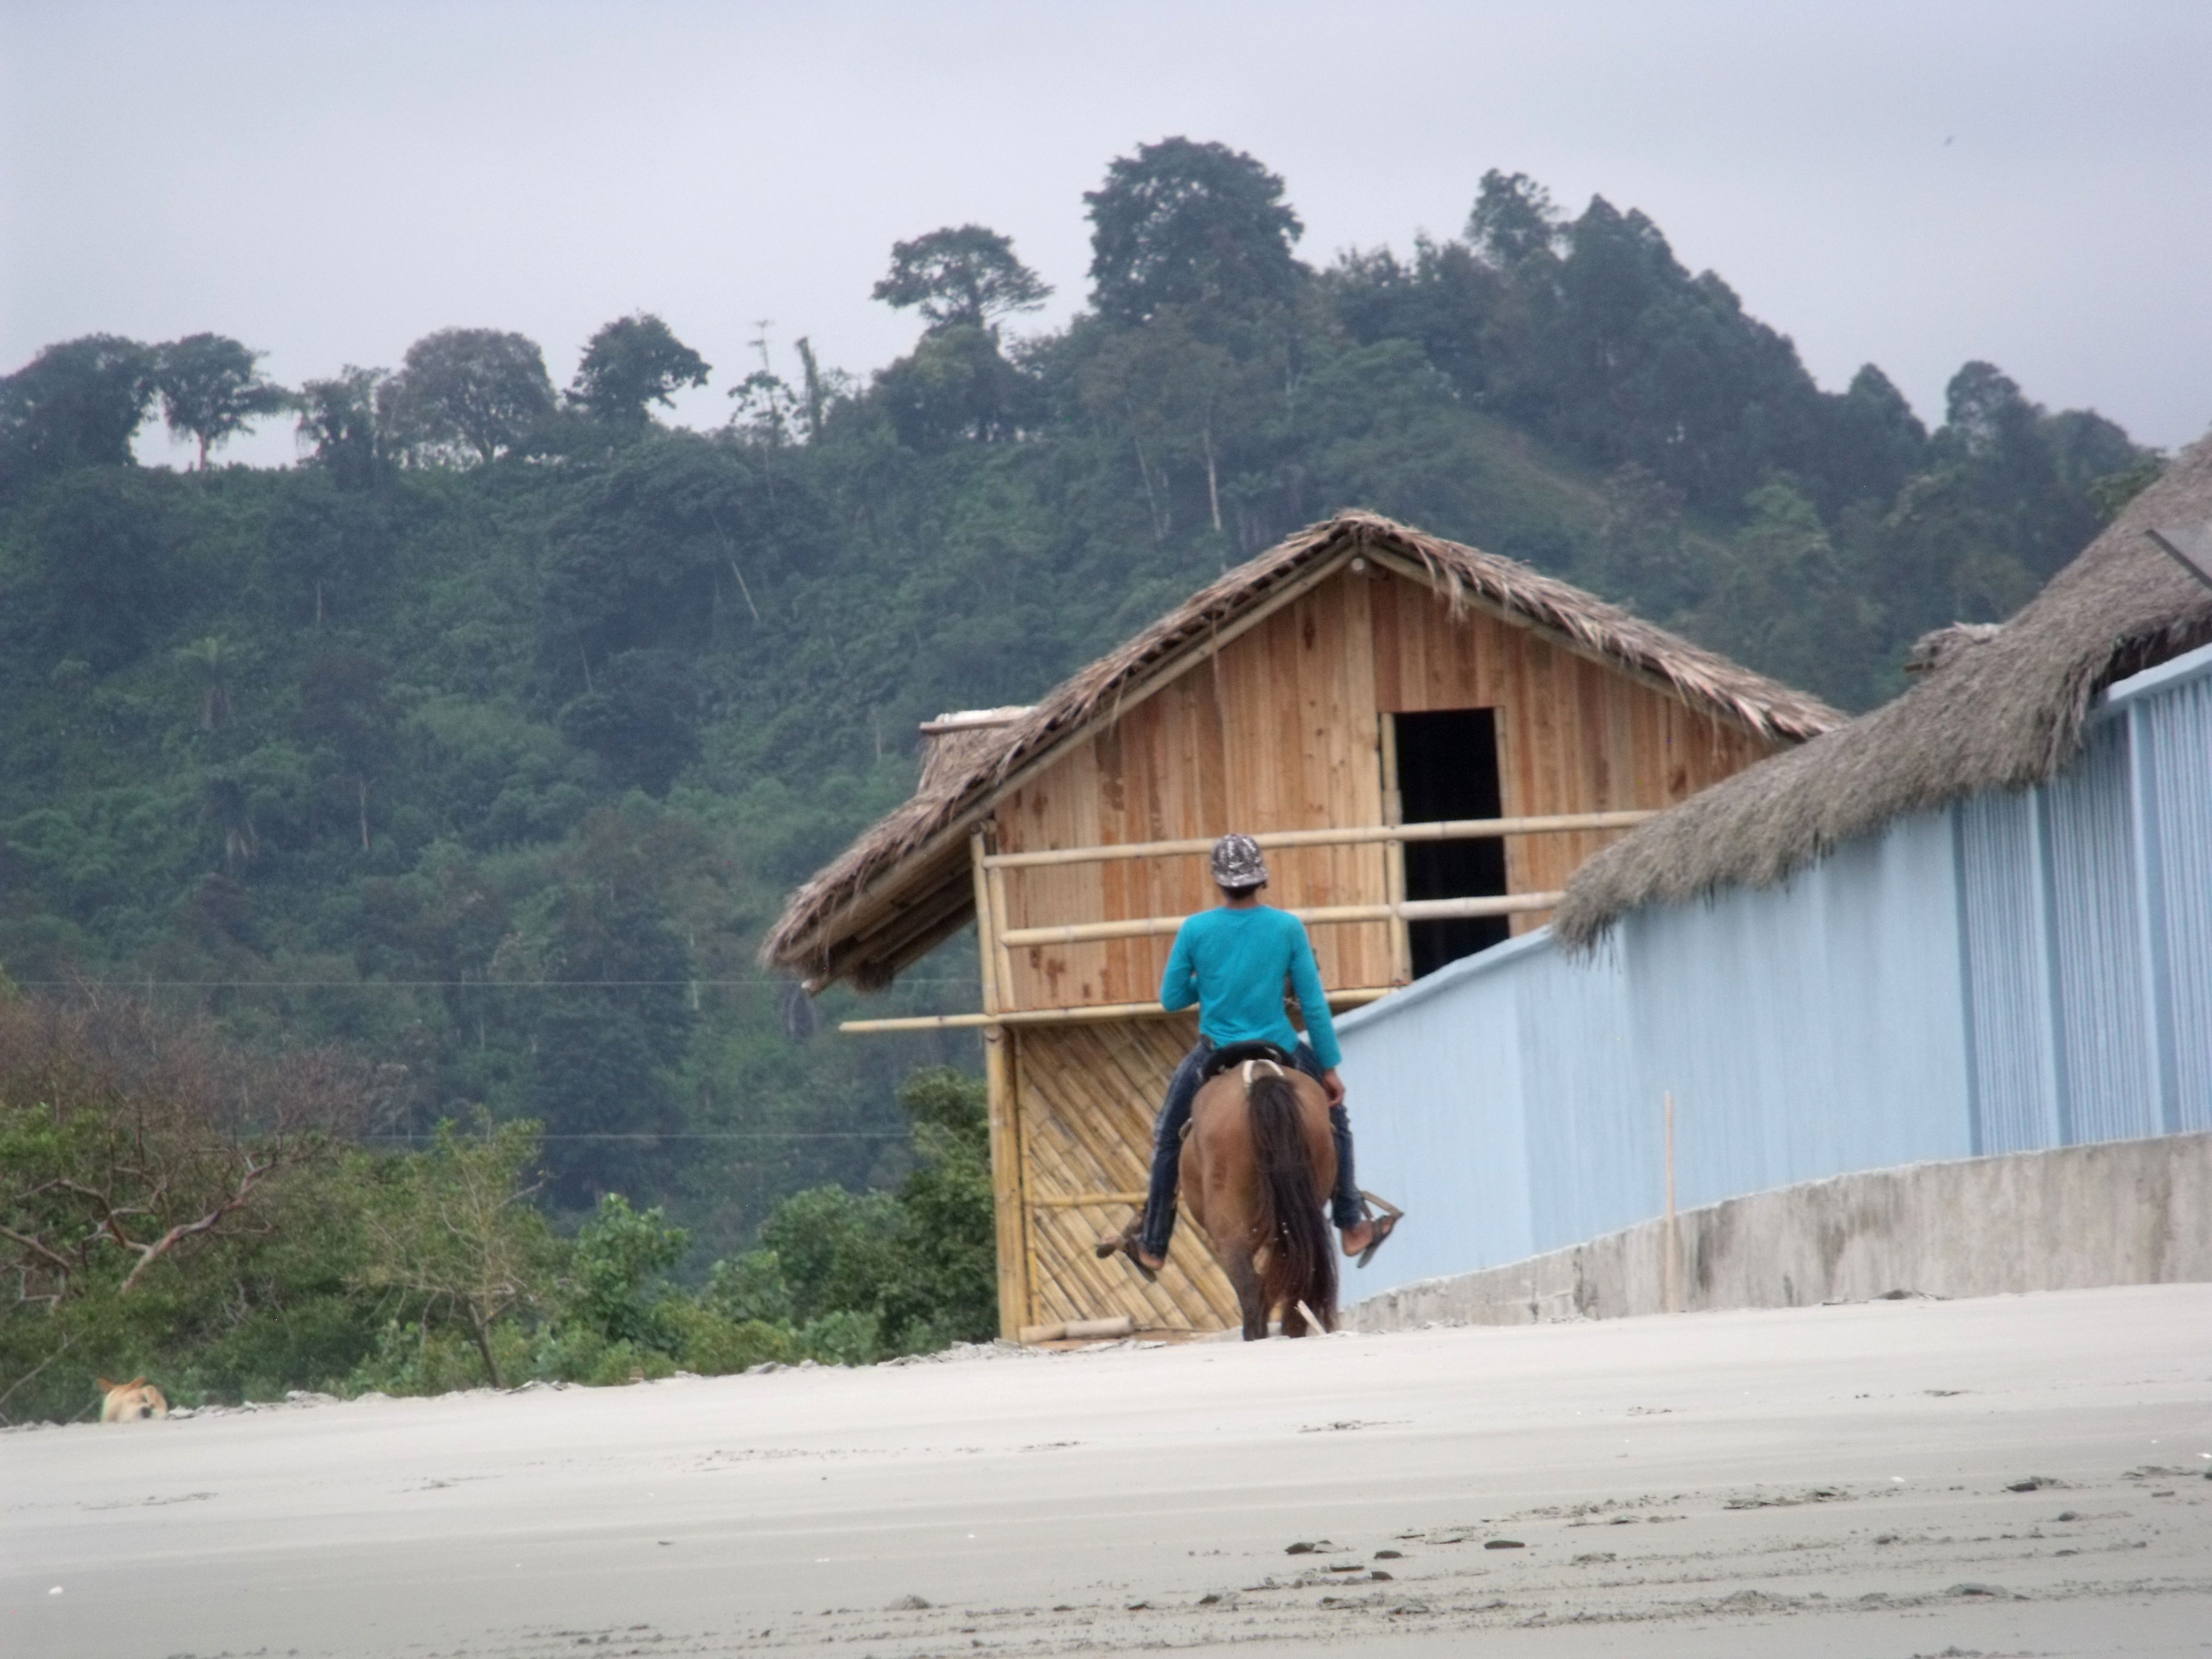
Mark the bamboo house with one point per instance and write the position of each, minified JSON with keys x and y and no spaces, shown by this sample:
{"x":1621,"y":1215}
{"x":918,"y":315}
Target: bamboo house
{"x":1428,"y":740}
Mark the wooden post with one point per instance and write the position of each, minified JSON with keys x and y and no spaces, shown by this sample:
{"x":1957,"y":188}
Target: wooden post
{"x":1009,"y":1214}
{"x":995,"y":880}
{"x":1670,"y":1289}
{"x":1393,"y":855}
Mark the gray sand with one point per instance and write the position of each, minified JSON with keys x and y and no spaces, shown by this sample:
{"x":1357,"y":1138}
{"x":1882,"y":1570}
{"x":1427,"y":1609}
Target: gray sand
{"x":1812,"y":1481}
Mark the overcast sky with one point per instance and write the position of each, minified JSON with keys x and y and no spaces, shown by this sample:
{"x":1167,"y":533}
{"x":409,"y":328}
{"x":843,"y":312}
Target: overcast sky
{"x":1915,"y":185}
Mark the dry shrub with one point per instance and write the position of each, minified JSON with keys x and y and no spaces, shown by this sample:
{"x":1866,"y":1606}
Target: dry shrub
{"x":127,"y":1135}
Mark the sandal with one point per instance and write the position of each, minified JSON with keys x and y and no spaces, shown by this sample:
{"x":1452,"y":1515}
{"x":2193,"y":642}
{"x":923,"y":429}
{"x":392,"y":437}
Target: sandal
{"x":1384,"y":1224}
{"x":1125,"y":1244}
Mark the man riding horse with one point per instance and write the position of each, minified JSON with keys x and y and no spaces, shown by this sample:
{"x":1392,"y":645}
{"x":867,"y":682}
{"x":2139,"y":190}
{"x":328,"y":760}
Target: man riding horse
{"x":1233,"y":962}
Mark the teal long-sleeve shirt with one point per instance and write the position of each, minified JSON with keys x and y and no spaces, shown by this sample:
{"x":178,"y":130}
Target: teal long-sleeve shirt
{"x":1234,"y":963}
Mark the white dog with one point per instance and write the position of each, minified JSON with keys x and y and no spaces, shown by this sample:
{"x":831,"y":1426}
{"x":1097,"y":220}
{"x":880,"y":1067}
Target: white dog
{"x":131,"y":1401}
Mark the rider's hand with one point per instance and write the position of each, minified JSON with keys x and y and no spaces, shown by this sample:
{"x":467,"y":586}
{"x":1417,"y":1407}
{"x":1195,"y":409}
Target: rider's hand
{"x":1333,"y":1085}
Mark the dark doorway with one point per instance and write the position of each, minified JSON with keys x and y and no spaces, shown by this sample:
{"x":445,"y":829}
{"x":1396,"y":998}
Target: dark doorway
{"x":1448,"y":768}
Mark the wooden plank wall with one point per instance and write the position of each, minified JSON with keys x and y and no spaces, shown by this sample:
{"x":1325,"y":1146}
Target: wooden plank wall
{"x":1277,"y":731}
{"x":1086,"y":1095}
{"x":1573,"y":734}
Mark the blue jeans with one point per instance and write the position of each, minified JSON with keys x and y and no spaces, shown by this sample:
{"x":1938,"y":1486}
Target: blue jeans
{"x":1345,"y":1207}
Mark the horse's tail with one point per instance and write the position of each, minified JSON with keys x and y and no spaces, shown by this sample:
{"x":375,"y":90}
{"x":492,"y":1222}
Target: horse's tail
{"x":1301,"y":1266}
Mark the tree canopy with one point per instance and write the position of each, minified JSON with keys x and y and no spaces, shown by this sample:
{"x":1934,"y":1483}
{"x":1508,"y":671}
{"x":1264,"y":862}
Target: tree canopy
{"x":210,"y":390}
{"x":75,"y":405}
{"x":338,"y":426}
{"x":465,"y":393}
{"x":1185,"y":223}
{"x":961,"y":276}
{"x":631,"y":364}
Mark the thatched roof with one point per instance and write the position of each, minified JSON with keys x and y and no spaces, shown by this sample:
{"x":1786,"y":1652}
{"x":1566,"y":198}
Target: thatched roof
{"x":954,"y":742}
{"x":905,"y":885}
{"x":1993,"y":708}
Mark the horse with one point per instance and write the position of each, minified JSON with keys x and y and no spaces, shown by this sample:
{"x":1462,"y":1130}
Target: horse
{"x":1257,"y":1163}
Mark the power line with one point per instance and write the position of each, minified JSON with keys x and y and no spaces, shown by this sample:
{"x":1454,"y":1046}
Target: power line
{"x":747,"y":1135}
{"x":415,"y":984}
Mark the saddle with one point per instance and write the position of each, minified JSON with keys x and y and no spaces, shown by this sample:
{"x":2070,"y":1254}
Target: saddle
{"x":1236,"y":1053}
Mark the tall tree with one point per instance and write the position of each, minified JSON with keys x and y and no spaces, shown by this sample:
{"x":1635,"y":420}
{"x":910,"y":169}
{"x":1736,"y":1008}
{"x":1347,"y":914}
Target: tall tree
{"x":211,"y":660}
{"x":964,"y":275}
{"x":338,"y":423}
{"x":631,"y":364}
{"x":211,"y":389}
{"x":343,"y":711}
{"x":1874,"y":442}
{"x":1185,"y":224}
{"x":1181,"y":400}
{"x":1513,"y":219}
{"x":77,"y":403}
{"x":467,"y":391}
{"x":956,"y":387}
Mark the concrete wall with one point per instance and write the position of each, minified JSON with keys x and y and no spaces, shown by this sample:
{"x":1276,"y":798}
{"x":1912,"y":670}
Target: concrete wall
{"x":2117,"y":1213}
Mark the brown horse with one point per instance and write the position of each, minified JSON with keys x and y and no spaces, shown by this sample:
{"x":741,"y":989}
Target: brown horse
{"x":1257,"y":1163}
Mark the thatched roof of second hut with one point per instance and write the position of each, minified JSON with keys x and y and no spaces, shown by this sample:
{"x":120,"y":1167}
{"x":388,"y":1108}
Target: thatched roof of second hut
{"x":1997,"y":709}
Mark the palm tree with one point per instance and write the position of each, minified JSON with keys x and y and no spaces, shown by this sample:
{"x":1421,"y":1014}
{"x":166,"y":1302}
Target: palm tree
{"x":224,"y":803}
{"x":215,"y":661}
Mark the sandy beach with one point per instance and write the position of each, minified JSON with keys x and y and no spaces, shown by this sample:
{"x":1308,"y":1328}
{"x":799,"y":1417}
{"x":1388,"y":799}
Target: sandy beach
{"x":2016,"y":1475}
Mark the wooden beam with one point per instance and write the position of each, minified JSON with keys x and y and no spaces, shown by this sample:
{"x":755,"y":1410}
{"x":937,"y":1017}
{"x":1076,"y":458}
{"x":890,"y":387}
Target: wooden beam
{"x":1104,"y":1011}
{"x":1451,"y":829}
{"x":1085,"y":933}
{"x":1004,"y":1115}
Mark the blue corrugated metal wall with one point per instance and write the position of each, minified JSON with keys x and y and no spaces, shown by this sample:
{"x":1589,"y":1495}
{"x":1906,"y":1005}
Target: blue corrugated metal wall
{"x":2023,"y":970}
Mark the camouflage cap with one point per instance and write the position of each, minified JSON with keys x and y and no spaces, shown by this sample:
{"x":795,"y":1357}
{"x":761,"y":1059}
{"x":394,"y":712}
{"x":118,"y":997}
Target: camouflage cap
{"x":1238,"y":862}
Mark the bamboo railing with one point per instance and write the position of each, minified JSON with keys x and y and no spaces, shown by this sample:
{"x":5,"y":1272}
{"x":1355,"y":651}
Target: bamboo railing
{"x":1451,"y":829}
{"x":996,"y":942}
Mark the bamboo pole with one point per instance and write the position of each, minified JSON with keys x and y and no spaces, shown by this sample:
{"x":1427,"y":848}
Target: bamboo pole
{"x":1393,"y":852}
{"x":1452,"y":830}
{"x":995,"y":882}
{"x":1011,"y":1234}
{"x":986,"y":955}
{"x":1083,"y":932}
{"x":1104,"y":1010}
{"x":1085,"y":1200}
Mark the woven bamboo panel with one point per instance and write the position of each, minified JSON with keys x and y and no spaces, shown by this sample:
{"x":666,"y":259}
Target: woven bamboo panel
{"x":1086,"y":1096}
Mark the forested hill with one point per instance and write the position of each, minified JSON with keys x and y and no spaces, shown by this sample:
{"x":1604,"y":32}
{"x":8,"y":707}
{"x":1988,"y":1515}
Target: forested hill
{"x":487,"y":737}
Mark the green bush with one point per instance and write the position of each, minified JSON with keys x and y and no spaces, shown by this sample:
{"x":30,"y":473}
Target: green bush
{"x":418,"y":1270}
